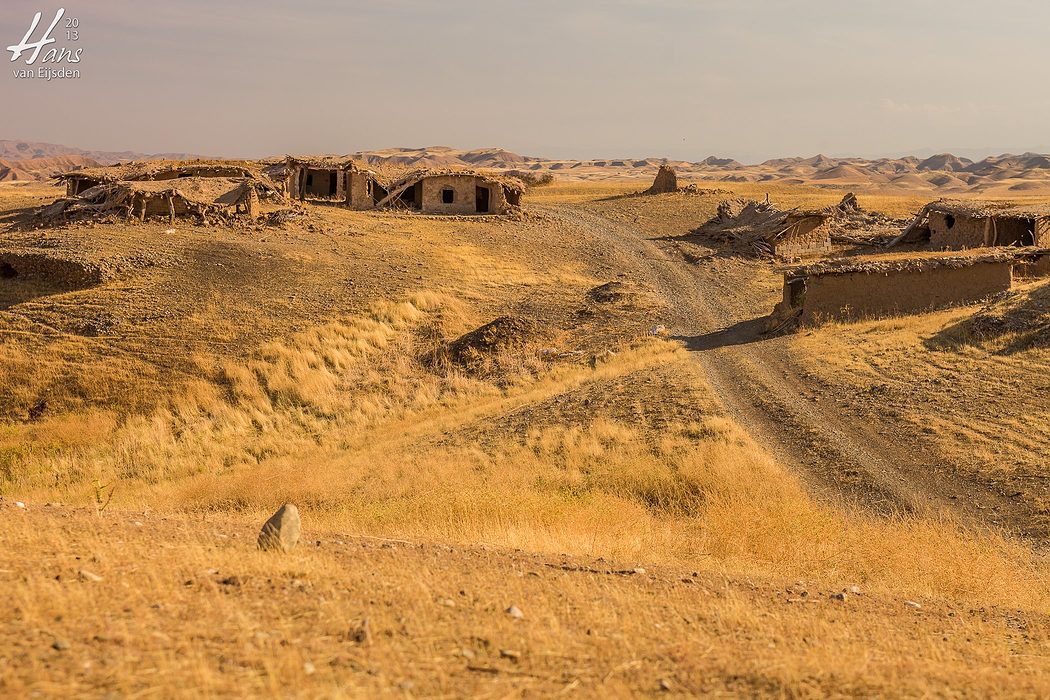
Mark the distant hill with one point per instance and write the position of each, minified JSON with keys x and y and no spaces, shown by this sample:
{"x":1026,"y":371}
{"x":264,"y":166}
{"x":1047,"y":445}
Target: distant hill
{"x":41,"y":168}
{"x":35,"y":160}
{"x":941,"y":174}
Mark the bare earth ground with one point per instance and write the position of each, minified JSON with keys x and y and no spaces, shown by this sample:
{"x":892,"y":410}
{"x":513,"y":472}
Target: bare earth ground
{"x":224,"y":371}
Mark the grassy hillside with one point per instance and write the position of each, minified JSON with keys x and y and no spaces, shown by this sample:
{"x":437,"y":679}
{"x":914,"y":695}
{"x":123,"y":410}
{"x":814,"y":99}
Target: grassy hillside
{"x":222,"y":372}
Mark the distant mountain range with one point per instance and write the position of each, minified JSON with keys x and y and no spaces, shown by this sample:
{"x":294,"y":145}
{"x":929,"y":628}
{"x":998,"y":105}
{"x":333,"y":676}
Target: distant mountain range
{"x":1004,"y":175}
{"x":32,"y":160}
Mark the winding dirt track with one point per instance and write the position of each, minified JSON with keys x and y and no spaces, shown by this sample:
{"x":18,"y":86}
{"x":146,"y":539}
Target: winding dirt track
{"x":762,"y":385}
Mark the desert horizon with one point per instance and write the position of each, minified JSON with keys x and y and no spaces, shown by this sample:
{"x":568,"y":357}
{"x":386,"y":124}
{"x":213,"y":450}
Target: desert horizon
{"x":1004,"y":175}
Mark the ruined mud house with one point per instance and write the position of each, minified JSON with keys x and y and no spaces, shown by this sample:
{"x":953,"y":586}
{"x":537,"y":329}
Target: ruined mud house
{"x":761,"y":228}
{"x":958,"y":225}
{"x":455,"y":192}
{"x":331,"y":179}
{"x":205,"y":199}
{"x":666,"y":180}
{"x":78,"y":181}
{"x":859,"y":288}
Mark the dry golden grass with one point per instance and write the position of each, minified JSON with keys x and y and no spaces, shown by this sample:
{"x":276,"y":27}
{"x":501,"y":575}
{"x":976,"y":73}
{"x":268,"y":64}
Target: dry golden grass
{"x":628,"y":457}
{"x":979,"y":400}
{"x":347,"y":411}
{"x":784,"y":196}
{"x":140,"y":604}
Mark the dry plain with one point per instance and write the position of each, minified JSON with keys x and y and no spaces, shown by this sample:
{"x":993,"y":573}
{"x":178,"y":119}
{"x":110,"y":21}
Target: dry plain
{"x":859,"y":509}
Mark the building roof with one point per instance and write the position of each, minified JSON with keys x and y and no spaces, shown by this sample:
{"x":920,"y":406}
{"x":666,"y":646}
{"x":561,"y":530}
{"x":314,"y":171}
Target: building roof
{"x":920,"y":262}
{"x":327,"y":162}
{"x":221,"y":191}
{"x":982,"y":209}
{"x":205,"y":194}
{"x":150,"y":169}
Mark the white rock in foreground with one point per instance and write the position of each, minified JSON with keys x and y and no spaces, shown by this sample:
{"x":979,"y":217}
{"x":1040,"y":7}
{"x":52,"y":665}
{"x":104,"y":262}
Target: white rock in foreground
{"x":281,"y":531}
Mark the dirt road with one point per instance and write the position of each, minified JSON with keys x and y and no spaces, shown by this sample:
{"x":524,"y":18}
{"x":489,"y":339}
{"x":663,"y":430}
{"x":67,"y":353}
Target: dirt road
{"x":764,"y":387}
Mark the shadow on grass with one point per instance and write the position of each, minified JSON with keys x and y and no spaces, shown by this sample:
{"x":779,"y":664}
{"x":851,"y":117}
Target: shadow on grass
{"x":1013,"y":324}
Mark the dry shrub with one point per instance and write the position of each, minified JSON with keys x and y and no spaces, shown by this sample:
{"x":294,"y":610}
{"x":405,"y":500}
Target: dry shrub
{"x":531,"y":179}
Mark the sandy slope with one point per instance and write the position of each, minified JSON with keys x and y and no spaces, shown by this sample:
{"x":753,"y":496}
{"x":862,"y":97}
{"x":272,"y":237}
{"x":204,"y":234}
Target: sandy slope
{"x":42,"y":168}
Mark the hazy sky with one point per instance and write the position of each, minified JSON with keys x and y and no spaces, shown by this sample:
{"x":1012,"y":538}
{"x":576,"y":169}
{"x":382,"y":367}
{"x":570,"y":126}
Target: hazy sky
{"x":558,"y":78}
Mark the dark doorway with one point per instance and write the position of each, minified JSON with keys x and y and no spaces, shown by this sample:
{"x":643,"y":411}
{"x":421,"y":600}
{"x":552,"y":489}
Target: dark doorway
{"x":448,"y":196}
{"x":949,"y":221}
{"x":1009,"y":232}
{"x":333,"y":181}
{"x":481,"y":200}
{"x":411,"y":197}
{"x":85,"y":184}
{"x":796,"y":292}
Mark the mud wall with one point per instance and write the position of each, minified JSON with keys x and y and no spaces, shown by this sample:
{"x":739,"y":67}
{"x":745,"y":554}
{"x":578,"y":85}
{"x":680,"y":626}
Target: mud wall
{"x":158,"y":206}
{"x":464,"y":195}
{"x":1042,"y":232}
{"x":360,"y":194}
{"x":1034,"y":267}
{"x":858,"y":295}
{"x":810,"y":235}
{"x":958,"y":231}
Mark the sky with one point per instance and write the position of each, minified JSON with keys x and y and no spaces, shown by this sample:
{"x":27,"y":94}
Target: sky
{"x":747,"y":79}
